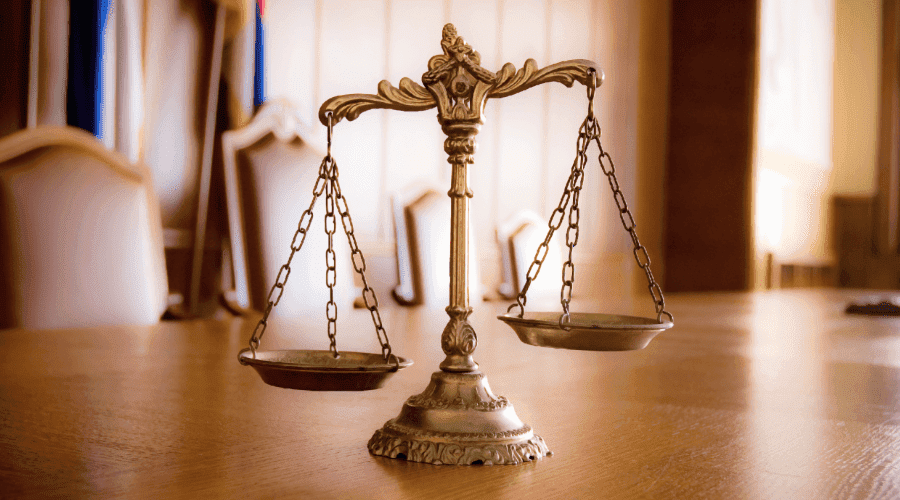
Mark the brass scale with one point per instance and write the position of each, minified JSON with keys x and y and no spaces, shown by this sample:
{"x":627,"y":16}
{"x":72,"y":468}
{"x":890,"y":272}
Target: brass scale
{"x":457,"y":419}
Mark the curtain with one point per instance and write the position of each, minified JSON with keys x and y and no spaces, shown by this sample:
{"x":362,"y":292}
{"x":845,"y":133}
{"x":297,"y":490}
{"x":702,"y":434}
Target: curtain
{"x":259,"y":81}
{"x":242,"y":64}
{"x":84,"y":96}
{"x":104,"y":84}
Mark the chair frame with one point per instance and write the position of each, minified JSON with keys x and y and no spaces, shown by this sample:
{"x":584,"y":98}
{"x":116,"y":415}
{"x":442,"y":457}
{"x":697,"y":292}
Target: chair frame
{"x":282,"y":120}
{"x":34,"y":138}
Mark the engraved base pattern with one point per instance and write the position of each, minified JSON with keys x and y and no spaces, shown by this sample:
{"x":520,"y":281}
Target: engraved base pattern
{"x":456,"y":453}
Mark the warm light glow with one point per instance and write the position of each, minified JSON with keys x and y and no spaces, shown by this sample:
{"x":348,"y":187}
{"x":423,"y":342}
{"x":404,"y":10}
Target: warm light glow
{"x":794,"y":130}
{"x":796,"y":64}
{"x":769,"y":209}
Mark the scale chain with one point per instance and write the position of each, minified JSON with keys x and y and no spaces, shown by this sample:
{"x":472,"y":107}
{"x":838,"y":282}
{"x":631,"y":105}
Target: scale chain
{"x":587,"y":133}
{"x":576,"y":178}
{"x":359,"y":265}
{"x":330,"y":264}
{"x":280,"y":282}
{"x":575,"y":185}
{"x":326,"y":183}
{"x":640,"y":251}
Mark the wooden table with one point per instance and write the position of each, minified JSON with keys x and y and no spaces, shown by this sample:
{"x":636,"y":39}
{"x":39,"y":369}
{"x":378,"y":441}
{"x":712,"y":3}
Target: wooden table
{"x":767,"y":395}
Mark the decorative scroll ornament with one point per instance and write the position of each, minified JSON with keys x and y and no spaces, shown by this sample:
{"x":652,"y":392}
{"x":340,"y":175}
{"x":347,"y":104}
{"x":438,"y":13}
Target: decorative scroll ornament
{"x":409,"y":97}
{"x":457,"y":84}
{"x":458,"y":341}
{"x":461,"y":391}
{"x":512,"y":82}
{"x":423,"y":401}
{"x":459,"y":338}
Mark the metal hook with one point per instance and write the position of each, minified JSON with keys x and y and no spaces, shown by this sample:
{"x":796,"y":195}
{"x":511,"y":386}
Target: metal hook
{"x":519,"y":305}
{"x":564,"y":321}
{"x":330,"y":116}
{"x":396,"y":362}
{"x":667,"y":313}
{"x":591,"y":89}
{"x":240,"y":354}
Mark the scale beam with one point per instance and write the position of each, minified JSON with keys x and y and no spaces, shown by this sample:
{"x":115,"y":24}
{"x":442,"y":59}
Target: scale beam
{"x":458,"y":60}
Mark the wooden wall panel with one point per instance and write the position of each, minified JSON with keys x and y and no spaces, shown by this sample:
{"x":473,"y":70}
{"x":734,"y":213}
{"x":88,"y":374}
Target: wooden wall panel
{"x":414,"y":154}
{"x":317,"y":49}
{"x":854,"y":239}
{"x":708,"y":211}
{"x":353,"y":60}
{"x":888,"y":211}
{"x":177,"y":48}
{"x":290,"y":68}
{"x":521,"y":140}
{"x":652,"y":123}
{"x":15,"y":18}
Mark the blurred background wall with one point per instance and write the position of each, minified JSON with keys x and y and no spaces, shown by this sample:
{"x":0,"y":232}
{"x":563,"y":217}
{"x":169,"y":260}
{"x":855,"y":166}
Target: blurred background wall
{"x":817,"y":122}
{"x":777,"y":113}
{"x":797,"y":85}
{"x":316,"y":50}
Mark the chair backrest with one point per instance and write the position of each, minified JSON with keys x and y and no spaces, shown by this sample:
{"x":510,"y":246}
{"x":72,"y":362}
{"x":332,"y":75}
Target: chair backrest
{"x":425,"y":224}
{"x":80,"y":234}
{"x":519,"y":239}
{"x":270,"y":170}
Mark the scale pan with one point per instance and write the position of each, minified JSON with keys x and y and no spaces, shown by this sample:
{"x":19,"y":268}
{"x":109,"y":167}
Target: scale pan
{"x":587,"y":331}
{"x":320,"y":371}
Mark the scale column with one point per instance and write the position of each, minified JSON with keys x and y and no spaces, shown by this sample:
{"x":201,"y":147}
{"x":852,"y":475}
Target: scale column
{"x":457,"y":419}
{"x":458,"y":340}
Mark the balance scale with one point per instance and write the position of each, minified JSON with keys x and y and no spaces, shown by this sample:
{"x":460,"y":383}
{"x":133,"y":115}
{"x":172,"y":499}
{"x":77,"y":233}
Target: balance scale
{"x":457,"y":419}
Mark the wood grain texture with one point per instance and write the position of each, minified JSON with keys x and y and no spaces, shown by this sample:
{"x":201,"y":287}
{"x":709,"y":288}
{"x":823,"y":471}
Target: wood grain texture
{"x":767,"y":395}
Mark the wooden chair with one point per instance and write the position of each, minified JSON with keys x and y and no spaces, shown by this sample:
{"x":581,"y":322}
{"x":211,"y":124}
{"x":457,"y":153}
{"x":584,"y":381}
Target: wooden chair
{"x":519,"y":238}
{"x":80,"y":234}
{"x":422,"y":226}
{"x":270,"y":170}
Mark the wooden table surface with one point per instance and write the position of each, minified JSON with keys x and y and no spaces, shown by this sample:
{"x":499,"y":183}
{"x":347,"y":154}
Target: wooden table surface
{"x":765,"y":395}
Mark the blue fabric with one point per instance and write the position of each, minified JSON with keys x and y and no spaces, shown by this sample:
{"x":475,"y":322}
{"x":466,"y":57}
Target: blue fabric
{"x":259,"y":80}
{"x":84,"y":92}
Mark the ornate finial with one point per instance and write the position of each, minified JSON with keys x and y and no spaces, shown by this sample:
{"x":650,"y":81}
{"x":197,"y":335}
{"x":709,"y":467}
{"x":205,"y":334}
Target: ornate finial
{"x":456,"y":79}
{"x":449,"y":33}
{"x":456,"y":53}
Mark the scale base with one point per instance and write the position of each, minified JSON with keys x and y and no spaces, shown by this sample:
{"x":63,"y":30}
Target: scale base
{"x":457,"y":420}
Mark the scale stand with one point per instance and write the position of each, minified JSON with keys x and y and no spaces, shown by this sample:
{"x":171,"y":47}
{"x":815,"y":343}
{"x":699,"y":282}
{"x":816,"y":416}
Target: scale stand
{"x":457,"y":419}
